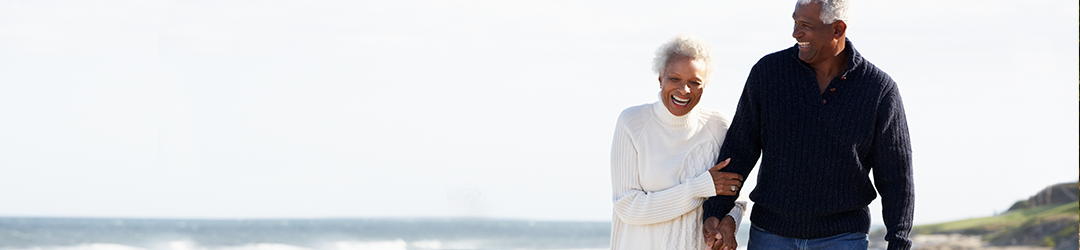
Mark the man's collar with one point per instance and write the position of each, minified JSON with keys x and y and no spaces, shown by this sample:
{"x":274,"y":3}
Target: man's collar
{"x":853,"y":62}
{"x":856,"y":58}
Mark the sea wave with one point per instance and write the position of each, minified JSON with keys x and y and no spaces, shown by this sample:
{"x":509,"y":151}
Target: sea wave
{"x":398,"y":244}
{"x":298,"y":234}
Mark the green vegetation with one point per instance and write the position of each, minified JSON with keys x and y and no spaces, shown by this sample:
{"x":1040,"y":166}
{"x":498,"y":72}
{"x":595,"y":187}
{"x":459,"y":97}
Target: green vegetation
{"x":1043,"y":225}
{"x":994,"y":223}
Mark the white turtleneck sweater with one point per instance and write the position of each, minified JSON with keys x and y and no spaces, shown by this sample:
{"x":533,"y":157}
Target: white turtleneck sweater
{"x":659,"y":176}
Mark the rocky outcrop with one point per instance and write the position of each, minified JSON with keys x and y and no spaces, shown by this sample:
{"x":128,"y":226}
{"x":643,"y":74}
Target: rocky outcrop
{"x":1039,"y":232}
{"x":1069,"y":243}
{"x":1055,"y":194}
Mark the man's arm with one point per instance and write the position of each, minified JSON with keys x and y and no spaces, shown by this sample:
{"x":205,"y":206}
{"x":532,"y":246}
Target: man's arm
{"x":891,"y":162}
{"x":742,"y":144}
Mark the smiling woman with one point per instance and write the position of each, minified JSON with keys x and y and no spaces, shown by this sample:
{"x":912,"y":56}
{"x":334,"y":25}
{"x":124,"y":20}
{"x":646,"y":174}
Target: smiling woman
{"x":661,"y":157}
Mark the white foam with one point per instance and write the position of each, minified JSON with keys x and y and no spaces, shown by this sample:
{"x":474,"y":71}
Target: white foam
{"x":182,"y":245}
{"x":427,"y":244}
{"x":265,"y":246}
{"x":90,"y":246}
{"x":398,"y":244}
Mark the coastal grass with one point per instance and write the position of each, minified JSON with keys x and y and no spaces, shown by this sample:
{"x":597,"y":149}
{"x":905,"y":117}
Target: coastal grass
{"x":1047,"y":225}
{"x":1003,"y":221}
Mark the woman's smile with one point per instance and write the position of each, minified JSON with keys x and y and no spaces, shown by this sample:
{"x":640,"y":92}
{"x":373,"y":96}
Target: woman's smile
{"x":680,"y":101}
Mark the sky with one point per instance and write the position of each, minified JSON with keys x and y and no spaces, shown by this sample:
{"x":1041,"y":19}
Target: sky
{"x":491,"y":109}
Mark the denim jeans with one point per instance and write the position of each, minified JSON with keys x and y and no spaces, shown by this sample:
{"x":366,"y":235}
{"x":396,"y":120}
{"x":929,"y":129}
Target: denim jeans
{"x":762,"y":240}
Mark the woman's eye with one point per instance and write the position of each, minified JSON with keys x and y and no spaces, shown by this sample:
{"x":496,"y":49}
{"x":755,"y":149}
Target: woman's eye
{"x":696,"y":83}
{"x":673,"y":79}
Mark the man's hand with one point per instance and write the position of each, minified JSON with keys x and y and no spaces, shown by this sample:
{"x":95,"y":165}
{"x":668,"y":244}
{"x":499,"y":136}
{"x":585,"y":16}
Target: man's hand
{"x":720,"y":234}
{"x":727,"y":234}
{"x":725,"y":183}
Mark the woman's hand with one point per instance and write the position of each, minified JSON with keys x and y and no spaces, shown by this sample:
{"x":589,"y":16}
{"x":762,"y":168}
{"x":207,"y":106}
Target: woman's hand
{"x":710,"y":232}
{"x":725,"y":183}
{"x":720,"y":234}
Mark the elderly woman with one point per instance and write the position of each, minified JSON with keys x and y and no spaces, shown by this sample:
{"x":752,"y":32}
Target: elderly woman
{"x":663,"y":156}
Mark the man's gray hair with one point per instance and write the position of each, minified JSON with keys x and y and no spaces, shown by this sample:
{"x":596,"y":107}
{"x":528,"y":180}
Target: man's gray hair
{"x":831,"y":10}
{"x":684,"y":46}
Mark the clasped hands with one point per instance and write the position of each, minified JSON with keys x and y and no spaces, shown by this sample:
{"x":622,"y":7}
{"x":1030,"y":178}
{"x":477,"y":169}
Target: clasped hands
{"x":720,"y":234}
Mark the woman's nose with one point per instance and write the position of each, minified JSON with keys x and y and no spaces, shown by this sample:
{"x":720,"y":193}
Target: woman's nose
{"x":684,"y":89}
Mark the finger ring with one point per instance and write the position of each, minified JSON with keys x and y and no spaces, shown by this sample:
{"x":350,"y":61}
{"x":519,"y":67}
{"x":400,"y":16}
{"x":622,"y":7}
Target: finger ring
{"x":732,"y":188}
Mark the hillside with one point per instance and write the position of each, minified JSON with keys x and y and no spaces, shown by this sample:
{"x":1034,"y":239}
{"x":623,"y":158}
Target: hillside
{"x":1050,"y":219}
{"x":1052,"y":226}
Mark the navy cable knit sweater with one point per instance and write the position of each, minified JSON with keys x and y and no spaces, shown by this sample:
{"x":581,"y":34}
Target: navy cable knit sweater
{"x":817,"y":150}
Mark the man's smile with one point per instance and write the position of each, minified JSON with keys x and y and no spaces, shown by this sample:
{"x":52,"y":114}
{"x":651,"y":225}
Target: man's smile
{"x":804,"y":45}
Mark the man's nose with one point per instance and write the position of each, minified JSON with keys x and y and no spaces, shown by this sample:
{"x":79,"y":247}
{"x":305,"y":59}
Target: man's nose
{"x":795,"y":32}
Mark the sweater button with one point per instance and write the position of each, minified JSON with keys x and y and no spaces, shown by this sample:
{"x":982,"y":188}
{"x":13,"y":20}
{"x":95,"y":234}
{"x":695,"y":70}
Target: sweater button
{"x":823,"y":101}
{"x":832,"y":90}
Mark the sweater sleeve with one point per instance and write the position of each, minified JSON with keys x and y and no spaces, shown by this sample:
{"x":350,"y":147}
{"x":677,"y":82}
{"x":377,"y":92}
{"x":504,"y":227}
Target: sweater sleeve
{"x":891,"y":162}
{"x":742,"y":144}
{"x":737,"y":213}
{"x":635,"y":206}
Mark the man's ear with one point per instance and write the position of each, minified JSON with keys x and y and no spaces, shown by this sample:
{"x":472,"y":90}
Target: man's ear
{"x":839,"y":29}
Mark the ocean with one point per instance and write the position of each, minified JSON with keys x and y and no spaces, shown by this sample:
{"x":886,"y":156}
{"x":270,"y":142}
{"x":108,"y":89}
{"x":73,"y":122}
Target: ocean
{"x":298,"y":234}
{"x":30,"y":233}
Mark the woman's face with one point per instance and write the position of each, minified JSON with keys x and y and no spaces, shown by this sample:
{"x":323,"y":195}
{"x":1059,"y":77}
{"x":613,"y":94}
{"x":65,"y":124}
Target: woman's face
{"x":681,"y":85}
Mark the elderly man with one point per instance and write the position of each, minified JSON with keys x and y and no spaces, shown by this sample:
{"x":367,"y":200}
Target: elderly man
{"x":821,"y":117}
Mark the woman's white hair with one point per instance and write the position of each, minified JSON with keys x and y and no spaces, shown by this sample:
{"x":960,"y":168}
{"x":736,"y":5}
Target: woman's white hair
{"x":684,"y":46}
{"x":831,"y":10}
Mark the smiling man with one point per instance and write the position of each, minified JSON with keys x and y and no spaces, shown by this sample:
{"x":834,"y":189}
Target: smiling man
{"x":821,"y":117}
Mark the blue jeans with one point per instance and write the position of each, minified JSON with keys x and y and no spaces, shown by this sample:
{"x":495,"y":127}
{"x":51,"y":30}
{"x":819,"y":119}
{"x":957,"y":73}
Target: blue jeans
{"x":762,"y":240}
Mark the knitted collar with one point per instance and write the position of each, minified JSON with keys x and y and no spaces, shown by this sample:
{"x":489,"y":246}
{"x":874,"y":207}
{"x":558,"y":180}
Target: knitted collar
{"x":666,"y":117}
{"x":856,"y":57}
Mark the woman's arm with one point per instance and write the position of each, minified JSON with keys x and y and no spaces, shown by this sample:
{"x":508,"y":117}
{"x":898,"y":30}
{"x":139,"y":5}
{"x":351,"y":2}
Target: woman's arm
{"x":637,"y":207}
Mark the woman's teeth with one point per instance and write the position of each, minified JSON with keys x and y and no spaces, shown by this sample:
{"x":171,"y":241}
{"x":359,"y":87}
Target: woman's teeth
{"x":680,"y":101}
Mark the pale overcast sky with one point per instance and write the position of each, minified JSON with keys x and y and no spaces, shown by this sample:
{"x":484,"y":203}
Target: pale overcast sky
{"x":501,"y":109}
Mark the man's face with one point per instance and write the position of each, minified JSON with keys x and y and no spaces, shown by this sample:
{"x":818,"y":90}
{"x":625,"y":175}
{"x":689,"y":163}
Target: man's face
{"x":817,"y":40}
